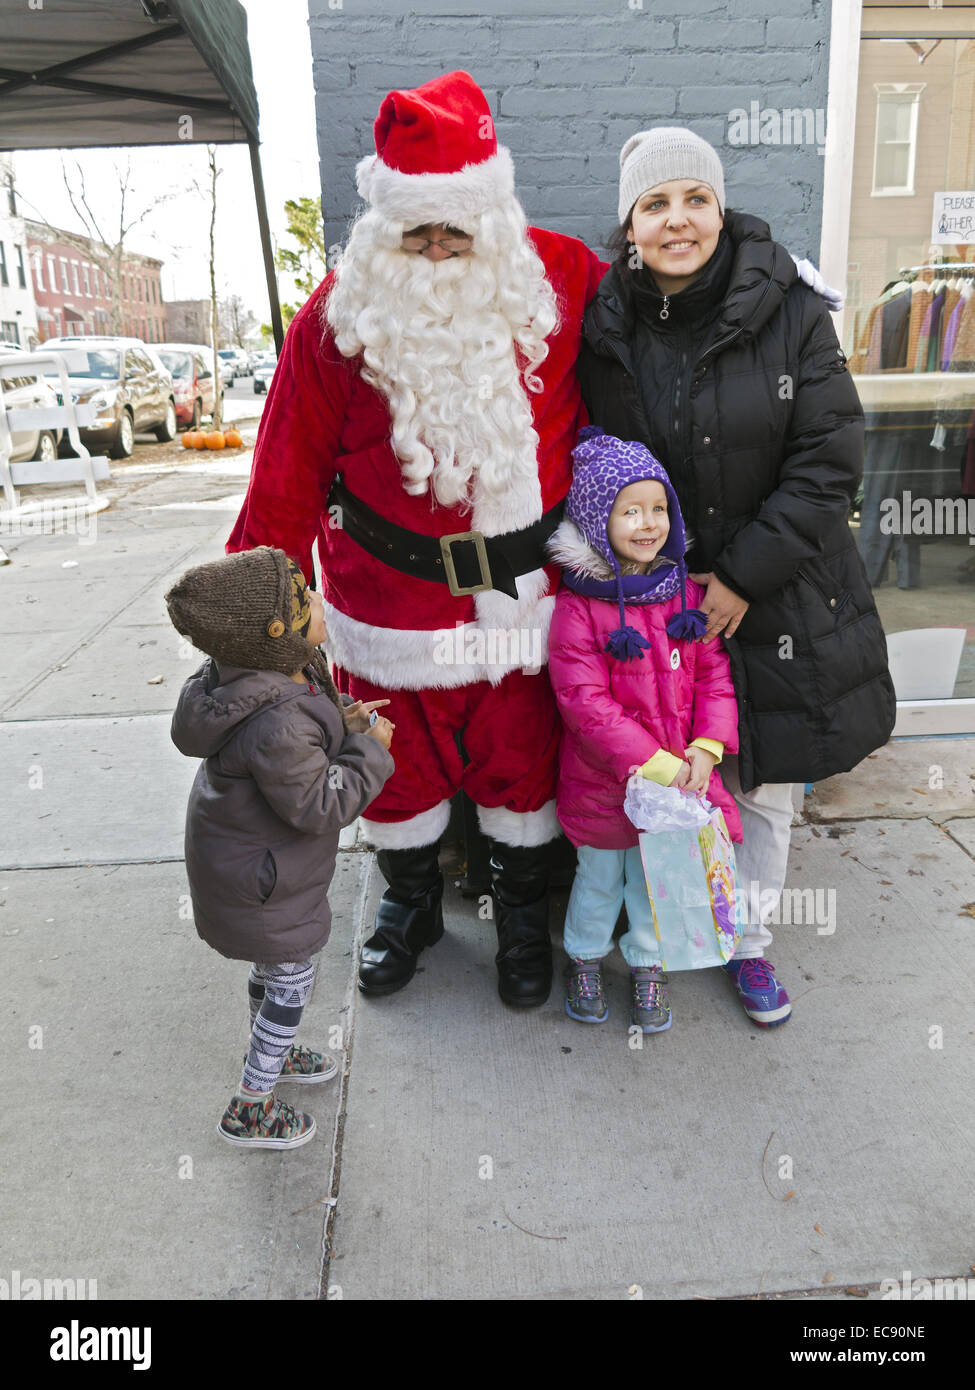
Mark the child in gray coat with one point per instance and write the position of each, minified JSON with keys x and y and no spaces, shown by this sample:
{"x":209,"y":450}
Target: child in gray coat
{"x":287,"y":764}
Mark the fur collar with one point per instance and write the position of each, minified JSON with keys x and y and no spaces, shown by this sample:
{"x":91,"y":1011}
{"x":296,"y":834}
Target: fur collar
{"x":569,"y":548}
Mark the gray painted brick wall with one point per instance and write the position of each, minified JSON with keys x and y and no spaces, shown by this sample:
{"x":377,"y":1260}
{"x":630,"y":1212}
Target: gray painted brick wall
{"x":569,"y":80}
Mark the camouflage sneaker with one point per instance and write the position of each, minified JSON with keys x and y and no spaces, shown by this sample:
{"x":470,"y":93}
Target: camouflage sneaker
{"x":651,"y":1008}
{"x":304,"y":1066}
{"x":265,"y":1123}
{"x":584,"y":998}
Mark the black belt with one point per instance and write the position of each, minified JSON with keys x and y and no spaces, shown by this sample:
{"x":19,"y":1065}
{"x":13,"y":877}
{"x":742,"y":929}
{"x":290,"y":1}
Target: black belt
{"x":466,"y":561}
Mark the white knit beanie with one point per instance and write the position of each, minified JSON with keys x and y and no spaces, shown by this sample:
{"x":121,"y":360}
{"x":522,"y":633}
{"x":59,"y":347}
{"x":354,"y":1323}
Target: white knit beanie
{"x":669,"y":152}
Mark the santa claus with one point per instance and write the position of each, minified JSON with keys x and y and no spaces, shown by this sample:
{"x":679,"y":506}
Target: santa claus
{"x":419,"y":425}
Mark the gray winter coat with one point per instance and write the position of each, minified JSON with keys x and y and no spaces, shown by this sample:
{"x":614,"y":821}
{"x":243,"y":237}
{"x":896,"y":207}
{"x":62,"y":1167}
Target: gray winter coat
{"x":281,"y":779}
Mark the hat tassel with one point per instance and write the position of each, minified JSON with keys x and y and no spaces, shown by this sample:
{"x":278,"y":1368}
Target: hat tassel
{"x":625,"y":643}
{"x":689,"y":623}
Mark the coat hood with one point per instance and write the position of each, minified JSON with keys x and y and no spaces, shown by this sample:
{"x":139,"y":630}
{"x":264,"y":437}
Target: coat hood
{"x":217,"y":701}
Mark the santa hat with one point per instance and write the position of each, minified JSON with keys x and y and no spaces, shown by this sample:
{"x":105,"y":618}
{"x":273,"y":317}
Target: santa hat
{"x":437,"y":157}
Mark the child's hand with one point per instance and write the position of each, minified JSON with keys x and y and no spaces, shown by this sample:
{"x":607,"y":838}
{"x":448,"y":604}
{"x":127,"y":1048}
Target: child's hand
{"x":681,"y":776}
{"x":382,"y":731}
{"x":356,"y":716}
{"x":702,"y":764}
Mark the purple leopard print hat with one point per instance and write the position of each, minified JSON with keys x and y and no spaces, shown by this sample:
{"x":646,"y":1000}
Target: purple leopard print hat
{"x":603,"y":466}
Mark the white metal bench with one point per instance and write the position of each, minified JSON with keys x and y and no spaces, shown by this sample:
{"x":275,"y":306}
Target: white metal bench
{"x":85,"y":467}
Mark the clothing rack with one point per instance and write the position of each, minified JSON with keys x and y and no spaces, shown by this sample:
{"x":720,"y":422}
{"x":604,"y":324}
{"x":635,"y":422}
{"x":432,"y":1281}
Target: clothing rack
{"x":953,"y":266}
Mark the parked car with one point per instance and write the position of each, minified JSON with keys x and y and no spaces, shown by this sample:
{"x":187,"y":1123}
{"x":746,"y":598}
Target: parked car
{"x":237,"y":359}
{"x":22,"y":391}
{"x":191,"y":366}
{"x":264,"y":373}
{"x":129,"y":387}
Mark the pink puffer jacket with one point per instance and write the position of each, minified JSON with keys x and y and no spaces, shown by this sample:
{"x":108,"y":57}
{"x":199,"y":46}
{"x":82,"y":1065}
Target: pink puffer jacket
{"x":617,"y":714}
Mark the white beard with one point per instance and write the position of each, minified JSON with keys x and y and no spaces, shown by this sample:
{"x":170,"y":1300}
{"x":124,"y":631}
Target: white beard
{"x":441,"y":341}
{"x":435,"y":343}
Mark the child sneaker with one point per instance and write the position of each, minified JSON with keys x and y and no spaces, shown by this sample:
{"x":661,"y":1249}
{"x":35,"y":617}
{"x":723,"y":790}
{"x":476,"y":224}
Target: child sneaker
{"x":584,"y":998}
{"x":651,"y":1007}
{"x":765,"y":1000}
{"x":265,"y":1123}
{"x":304,"y":1066}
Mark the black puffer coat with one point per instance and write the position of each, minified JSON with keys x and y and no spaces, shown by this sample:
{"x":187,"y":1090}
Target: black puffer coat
{"x":743,"y":394}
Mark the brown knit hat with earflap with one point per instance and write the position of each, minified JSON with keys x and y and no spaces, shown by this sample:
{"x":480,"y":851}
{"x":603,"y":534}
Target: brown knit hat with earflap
{"x":250,"y":610}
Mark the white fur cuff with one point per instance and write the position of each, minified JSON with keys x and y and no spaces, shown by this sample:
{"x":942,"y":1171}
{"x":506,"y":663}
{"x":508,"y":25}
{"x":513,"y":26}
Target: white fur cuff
{"x":512,"y":635}
{"x":520,"y":828}
{"x":419,"y":830}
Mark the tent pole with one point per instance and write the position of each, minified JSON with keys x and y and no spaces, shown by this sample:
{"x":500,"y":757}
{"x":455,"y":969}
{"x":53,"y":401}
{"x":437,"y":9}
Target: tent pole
{"x":272,"y":282}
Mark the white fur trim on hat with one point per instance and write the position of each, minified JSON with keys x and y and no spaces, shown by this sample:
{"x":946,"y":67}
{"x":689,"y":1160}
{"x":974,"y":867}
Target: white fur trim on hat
{"x":454,"y":199}
{"x":523,"y":829}
{"x":419,"y":830}
{"x":569,"y":548}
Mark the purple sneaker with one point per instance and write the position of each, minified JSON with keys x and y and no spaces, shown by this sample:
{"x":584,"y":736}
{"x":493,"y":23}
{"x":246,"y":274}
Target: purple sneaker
{"x":765,"y":1000}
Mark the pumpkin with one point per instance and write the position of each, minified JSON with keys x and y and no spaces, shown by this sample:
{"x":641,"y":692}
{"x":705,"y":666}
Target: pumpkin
{"x":233,"y":438}
{"x":215,"y":440}
{"x":199,"y":439}
{"x":188,"y":439}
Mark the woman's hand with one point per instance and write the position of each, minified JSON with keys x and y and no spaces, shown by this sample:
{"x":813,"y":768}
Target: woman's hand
{"x":702,"y":764}
{"x":356,"y":716}
{"x":723,"y":608}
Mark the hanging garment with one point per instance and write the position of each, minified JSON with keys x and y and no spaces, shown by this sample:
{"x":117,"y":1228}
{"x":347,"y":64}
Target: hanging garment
{"x":951,"y":332}
{"x":963,"y":349}
{"x":895,"y":319}
{"x":926,"y":355}
{"x":920,"y":302}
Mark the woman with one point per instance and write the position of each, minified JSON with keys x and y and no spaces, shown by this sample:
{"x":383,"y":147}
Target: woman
{"x":702,"y":343}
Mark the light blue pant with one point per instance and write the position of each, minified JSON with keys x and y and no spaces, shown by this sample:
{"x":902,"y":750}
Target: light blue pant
{"x":605,"y":880}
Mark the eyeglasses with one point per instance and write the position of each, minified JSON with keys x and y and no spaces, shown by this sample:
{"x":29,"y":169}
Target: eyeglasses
{"x":454,"y":244}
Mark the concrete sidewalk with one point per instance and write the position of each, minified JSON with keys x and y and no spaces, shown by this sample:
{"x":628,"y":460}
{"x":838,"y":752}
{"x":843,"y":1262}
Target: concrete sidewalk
{"x":466,"y":1151}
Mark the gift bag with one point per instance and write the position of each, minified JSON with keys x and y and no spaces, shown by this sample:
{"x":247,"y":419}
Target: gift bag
{"x":689,"y":865}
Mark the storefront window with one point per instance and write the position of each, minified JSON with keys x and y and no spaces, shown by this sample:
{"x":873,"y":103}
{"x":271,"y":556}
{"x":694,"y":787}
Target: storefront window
{"x":910,"y":337}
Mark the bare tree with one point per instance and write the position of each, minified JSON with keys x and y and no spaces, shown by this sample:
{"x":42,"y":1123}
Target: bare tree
{"x":108,"y":249}
{"x":237,"y":320}
{"x":217,"y":393}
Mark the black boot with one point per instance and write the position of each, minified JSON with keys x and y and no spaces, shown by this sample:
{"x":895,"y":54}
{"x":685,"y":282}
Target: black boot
{"x":519,"y":888}
{"x":410,"y":917}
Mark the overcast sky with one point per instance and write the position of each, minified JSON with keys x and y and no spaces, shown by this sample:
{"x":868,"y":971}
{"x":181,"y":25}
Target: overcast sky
{"x":178,"y":231}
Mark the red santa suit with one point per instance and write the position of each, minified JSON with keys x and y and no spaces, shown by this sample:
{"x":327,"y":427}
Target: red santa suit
{"x":449,"y":665}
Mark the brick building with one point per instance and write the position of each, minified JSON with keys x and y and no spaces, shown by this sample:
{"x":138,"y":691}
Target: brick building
{"x":189,"y":320}
{"x":74,"y":294}
{"x":18,"y":314}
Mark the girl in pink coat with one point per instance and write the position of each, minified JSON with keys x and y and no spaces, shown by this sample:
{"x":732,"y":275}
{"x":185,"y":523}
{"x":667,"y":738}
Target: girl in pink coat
{"x":637,"y":693}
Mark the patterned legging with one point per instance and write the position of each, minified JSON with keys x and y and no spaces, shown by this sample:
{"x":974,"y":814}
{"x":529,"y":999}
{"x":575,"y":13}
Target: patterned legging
{"x":277,"y":995}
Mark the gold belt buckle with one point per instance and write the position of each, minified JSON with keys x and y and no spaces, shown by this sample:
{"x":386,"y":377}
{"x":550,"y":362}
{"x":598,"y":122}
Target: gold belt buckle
{"x":482,"y":560}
